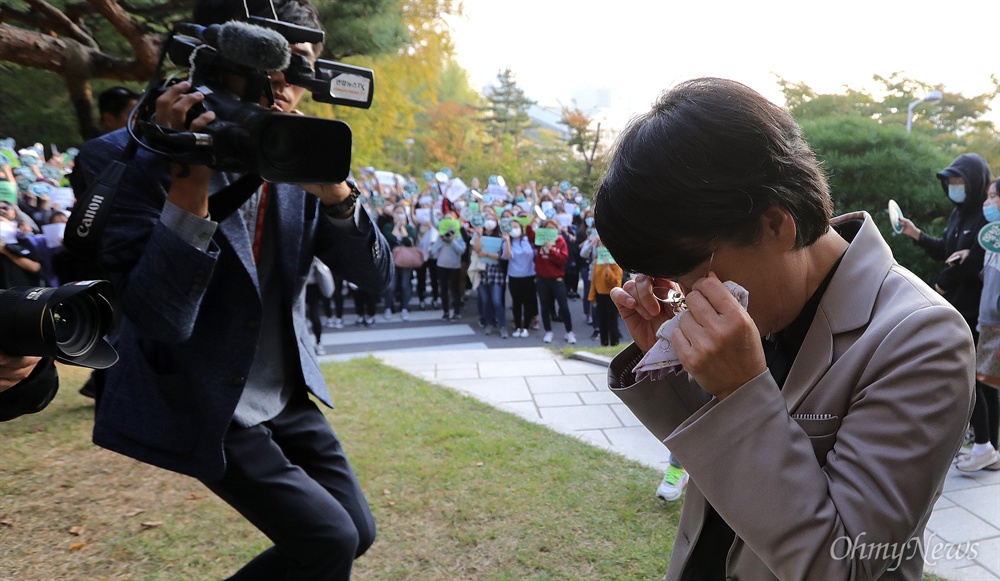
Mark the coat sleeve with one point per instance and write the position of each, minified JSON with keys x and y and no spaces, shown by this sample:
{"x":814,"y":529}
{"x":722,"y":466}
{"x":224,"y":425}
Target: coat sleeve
{"x":968,"y":271}
{"x":894,"y":446}
{"x":31,"y":394}
{"x":137,"y":248}
{"x":360,"y":255}
{"x":934,"y":247}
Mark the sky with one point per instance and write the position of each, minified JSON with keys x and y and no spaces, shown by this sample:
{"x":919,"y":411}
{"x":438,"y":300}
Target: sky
{"x":638,"y":48}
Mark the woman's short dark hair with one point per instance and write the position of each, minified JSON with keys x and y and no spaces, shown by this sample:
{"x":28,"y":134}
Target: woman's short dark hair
{"x":704,"y":164}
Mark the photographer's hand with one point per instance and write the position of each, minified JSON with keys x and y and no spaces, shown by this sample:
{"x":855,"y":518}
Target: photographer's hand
{"x":189,"y":186}
{"x":328,"y":194}
{"x":15,"y":369}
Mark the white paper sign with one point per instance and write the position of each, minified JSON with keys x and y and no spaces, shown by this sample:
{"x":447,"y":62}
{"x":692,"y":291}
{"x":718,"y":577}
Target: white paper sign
{"x":454,"y":189}
{"x":422,"y":215}
{"x":62,"y":198}
{"x":498,"y":192}
{"x":564,"y":220}
{"x":54,"y":234}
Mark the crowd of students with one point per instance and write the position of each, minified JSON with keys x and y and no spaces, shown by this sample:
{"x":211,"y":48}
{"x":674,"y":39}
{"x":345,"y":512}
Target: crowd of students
{"x":525,"y":251}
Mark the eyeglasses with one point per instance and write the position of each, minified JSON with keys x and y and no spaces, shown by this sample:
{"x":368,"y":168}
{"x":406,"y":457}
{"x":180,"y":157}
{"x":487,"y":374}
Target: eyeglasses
{"x":673,"y":298}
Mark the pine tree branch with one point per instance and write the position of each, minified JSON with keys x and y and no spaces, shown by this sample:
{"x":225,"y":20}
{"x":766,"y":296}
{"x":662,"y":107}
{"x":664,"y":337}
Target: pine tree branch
{"x":59,"y":23}
{"x":146,"y":47}
{"x":64,"y":56}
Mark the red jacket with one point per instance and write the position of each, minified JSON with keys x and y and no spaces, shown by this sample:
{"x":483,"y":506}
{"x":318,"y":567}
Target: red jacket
{"x":552,"y":265}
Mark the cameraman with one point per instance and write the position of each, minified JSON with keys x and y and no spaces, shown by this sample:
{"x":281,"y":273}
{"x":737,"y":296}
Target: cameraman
{"x":217,"y":360}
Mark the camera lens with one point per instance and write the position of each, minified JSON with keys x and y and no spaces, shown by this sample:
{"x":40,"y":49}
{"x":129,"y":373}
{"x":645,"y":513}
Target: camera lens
{"x":282,"y":150}
{"x":67,"y":323}
{"x":76,"y":325}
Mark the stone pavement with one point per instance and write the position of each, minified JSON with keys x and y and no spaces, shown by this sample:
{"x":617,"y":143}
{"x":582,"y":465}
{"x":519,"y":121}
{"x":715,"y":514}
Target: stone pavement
{"x":571,"y":396}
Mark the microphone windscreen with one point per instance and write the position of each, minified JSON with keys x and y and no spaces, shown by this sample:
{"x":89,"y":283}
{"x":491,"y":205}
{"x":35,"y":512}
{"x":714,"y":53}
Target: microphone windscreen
{"x":253,"y":46}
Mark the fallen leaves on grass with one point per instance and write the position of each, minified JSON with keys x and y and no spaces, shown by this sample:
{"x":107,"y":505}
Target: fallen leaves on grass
{"x":77,"y":530}
{"x":77,"y":546}
{"x":151,"y":524}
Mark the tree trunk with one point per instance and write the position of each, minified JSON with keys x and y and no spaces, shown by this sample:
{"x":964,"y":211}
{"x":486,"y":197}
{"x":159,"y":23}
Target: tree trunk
{"x":81,"y":96}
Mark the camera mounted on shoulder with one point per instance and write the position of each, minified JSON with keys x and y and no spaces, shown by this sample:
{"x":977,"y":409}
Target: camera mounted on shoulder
{"x":248,"y":136}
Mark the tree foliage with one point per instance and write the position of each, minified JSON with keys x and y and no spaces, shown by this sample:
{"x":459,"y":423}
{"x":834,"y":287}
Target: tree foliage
{"x":407,"y":87}
{"x":583,"y":139}
{"x":869,"y":163}
{"x":506,"y":109}
{"x":81,"y":41}
{"x":862,"y":141}
{"x":955,"y":124}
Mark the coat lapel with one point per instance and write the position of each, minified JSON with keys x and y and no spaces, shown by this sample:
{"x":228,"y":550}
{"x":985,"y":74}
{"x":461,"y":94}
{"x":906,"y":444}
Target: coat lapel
{"x":234,"y":232}
{"x":845,"y":306}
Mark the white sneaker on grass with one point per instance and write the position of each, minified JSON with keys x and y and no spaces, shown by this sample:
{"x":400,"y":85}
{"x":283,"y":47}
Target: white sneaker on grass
{"x":548,"y":337}
{"x":570,"y":338}
{"x":673,"y":483}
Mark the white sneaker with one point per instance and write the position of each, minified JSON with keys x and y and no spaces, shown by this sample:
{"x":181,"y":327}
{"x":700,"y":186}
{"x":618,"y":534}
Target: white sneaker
{"x":673,"y":483}
{"x":975,"y":462}
{"x":405,"y":314}
{"x":388,"y":314}
{"x":570,"y":338}
{"x":320,"y":350}
{"x":548,"y":337}
{"x":338,"y":323}
{"x":524,"y":332}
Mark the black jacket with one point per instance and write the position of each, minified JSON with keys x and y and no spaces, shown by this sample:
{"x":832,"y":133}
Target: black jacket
{"x":961,"y":282}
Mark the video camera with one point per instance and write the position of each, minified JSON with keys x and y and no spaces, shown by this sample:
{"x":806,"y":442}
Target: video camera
{"x":245,"y":136}
{"x":68,"y":323}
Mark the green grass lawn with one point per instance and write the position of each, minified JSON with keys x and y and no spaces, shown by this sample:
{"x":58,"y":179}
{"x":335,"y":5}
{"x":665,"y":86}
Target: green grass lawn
{"x":459,"y":490}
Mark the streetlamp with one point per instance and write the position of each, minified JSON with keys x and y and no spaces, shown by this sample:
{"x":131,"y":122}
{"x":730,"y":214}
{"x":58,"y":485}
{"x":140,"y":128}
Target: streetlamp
{"x":932,"y":97}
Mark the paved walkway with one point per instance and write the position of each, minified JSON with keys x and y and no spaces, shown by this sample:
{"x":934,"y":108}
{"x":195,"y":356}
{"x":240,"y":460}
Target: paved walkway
{"x":571,"y":396}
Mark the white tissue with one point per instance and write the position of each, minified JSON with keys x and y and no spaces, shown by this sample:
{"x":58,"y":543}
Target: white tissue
{"x":661,"y":359}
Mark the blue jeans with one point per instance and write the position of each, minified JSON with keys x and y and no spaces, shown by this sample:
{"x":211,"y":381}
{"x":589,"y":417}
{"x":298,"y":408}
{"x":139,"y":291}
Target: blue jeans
{"x":403,"y":283}
{"x":491,"y":299}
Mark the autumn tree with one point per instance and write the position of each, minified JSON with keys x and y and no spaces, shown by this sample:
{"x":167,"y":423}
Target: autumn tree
{"x":582,"y":139}
{"x":407,"y":93}
{"x":85,"y":40}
